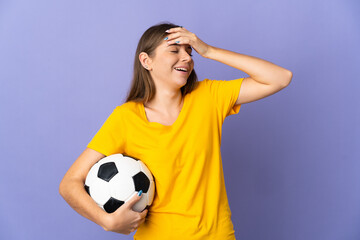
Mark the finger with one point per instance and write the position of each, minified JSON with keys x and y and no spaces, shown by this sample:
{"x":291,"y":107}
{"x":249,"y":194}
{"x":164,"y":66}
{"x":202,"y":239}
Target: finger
{"x":179,"y":40}
{"x":172,"y":36}
{"x":143,"y":213}
{"x":175,"y":29}
{"x":141,"y":221}
{"x":134,"y":199}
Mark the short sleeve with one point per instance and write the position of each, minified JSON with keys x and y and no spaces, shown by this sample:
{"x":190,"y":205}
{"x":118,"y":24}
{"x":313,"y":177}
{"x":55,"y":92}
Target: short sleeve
{"x":110,"y":138}
{"x":225,"y":93}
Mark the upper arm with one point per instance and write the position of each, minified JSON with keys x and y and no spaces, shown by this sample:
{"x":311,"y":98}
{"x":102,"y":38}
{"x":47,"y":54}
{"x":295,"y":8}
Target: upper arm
{"x":252,"y":90}
{"x":80,"y":168}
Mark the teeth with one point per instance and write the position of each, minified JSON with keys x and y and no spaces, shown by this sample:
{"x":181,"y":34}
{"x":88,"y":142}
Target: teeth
{"x":181,"y":69}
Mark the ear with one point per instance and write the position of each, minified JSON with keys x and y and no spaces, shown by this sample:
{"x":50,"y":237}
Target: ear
{"x":145,"y":60}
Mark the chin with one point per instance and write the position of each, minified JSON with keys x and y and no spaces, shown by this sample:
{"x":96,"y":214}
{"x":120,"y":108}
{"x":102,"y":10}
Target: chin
{"x":181,"y":82}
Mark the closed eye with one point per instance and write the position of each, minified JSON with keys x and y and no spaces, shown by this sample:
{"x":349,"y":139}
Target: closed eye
{"x":178,"y":51}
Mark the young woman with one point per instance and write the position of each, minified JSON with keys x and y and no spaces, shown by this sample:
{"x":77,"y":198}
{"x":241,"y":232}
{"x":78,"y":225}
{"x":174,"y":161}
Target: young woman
{"x":173,"y":124}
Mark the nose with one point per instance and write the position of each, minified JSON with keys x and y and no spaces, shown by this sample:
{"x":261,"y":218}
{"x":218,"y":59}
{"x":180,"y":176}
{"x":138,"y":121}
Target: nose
{"x":186,"y":56}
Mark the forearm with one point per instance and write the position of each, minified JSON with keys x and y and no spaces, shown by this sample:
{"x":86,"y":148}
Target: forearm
{"x":258,"y":69}
{"x":75,"y":195}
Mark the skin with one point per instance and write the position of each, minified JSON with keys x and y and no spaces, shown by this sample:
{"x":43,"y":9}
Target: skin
{"x":168,"y":101}
{"x":265,"y":79}
{"x":124,"y":220}
{"x":168,"y":81}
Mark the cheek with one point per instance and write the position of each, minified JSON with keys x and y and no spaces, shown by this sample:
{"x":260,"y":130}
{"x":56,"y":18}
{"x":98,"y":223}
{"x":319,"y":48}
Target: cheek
{"x":164,"y":67}
{"x":192,"y":67}
{"x":169,"y":64}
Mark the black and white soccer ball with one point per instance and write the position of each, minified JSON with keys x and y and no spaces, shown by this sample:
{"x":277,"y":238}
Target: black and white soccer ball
{"x":115,"y":179}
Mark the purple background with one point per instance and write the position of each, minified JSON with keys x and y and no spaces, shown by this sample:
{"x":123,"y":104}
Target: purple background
{"x":291,"y":160}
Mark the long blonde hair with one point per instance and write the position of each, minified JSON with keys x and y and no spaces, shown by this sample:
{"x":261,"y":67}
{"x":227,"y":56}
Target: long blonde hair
{"x":142,"y":85}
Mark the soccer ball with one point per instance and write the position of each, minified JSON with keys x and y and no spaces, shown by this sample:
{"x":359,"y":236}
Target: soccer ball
{"x":115,"y":179}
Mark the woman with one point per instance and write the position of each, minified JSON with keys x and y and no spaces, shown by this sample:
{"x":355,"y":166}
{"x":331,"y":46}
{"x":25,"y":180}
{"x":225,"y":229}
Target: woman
{"x":173,"y":124}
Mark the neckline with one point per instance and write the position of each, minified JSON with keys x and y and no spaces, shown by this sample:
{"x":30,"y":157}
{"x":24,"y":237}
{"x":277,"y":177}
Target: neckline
{"x":156,"y":124}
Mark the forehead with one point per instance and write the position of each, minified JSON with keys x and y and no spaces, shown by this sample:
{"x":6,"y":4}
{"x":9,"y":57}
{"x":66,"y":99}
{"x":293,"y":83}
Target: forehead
{"x":166,"y":46}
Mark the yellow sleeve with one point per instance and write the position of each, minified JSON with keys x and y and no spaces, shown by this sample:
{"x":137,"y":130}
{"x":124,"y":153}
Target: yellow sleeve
{"x":225,"y":93}
{"x":110,"y":138}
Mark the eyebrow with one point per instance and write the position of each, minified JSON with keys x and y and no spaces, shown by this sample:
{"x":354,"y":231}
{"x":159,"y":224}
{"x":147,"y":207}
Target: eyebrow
{"x":174,"y":44}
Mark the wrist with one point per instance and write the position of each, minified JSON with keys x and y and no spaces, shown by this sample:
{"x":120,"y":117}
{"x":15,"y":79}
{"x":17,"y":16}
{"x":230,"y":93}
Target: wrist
{"x":209,"y":51}
{"x":105,"y":221}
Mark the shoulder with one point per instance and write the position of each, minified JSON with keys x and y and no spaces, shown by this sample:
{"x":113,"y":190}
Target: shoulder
{"x":208,"y":85}
{"x":200,"y":88}
{"x":211,"y":83}
{"x":128,"y":109}
{"x":126,"y":106}
{"x":202,"y":84}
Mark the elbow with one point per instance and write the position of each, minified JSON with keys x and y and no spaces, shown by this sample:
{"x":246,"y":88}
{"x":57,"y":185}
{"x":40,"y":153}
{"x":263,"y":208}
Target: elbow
{"x":67,"y":186}
{"x":62,"y":188}
{"x":290,"y":76}
{"x":287,"y":78}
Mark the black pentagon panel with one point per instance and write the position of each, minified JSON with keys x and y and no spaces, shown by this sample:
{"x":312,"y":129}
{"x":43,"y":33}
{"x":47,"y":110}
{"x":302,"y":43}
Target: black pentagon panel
{"x":112,"y":204}
{"x":141,"y":182}
{"x":107,"y":171}
{"x":87,"y":189}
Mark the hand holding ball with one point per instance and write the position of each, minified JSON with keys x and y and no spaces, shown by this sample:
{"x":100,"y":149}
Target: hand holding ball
{"x":115,"y":179}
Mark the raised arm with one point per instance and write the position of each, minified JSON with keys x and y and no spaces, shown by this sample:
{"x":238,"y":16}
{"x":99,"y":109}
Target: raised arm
{"x":265,"y":78}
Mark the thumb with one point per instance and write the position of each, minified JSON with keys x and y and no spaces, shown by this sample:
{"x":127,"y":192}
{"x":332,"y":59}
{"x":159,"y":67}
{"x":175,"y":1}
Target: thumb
{"x":134,"y":199}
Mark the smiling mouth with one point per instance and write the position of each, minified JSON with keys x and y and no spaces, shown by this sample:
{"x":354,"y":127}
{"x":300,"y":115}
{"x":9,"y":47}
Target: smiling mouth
{"x":181,"y":69}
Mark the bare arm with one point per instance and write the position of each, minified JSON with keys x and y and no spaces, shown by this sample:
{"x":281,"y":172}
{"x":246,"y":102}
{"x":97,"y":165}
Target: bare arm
{"x":124,"y":220}
{"x":72,"y":187}
{"x":265,"y":78}
{"x":259,"y":70}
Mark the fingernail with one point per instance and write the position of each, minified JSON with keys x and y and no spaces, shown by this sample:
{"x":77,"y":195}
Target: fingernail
{"x":177,"y":41}
{"x":167,"y":30}
{"x":166,"y":38}
{"x":139,"y":194}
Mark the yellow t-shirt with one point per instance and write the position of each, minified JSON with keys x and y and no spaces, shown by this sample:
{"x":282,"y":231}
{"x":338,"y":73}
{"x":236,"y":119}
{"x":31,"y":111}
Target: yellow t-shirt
{"x":190,"y":199}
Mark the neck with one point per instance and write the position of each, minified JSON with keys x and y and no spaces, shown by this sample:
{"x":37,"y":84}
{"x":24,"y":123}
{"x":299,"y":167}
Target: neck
{"x":166,"y":102}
